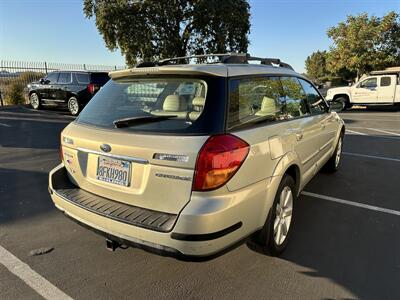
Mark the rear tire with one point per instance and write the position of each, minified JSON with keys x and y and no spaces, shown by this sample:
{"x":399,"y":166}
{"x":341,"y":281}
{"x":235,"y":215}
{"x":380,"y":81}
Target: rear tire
{"x":73,"y":106}
{"x":332,"y":165}
{"x":274,"y":236}
{"x":35,"y":102}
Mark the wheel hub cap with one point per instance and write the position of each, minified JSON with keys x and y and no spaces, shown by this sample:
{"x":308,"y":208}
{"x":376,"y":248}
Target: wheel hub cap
{"x":283,"y":216}
{"x":338,"y":152}
{"x":73,"y":106}
{"x":34,"y":100}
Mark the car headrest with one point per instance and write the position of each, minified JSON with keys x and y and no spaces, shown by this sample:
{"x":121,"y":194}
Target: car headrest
{"x":198,"y":101}
{"x":174,"y":103}
{"x":268,"y":104}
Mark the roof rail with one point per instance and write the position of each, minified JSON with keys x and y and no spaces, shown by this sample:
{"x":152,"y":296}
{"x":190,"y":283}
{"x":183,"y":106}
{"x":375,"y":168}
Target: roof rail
{"x":225,"y":58}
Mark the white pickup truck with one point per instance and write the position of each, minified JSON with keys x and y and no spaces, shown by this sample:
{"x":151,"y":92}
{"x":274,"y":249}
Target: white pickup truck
{"x":378,"y":88}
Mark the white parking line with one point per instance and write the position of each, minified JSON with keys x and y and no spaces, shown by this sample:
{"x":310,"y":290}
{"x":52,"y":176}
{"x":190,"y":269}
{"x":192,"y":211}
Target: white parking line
{"x":351,"y":203}
{"x":30,"y":277}
{"x":372,"y":156}
{"x":355,"y":127}
{"x":6,"y":125}
{"x":355,"y":132}
{"x":352,"y":132}
{"x":383,"y":131}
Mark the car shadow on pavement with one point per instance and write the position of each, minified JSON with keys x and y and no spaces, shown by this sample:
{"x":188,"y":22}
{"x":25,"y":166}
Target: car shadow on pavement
{"x":23,"y":194}
{"x":33,"y":134}
{"x":346,"y":246}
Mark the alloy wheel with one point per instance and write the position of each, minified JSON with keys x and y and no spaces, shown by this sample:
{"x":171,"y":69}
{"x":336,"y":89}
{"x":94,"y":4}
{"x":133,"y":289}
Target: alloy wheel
{"x":34,"y":100}
{"x":338,"y":152}
{"x":283,"y":215}
{"x":73,"y":106}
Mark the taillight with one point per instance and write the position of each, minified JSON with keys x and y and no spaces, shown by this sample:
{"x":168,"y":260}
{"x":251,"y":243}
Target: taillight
{"x":219,"y":159}
{"x":92,"y":88}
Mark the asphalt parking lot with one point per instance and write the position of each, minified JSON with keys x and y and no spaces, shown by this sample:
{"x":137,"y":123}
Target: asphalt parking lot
{"x":345,"y":244}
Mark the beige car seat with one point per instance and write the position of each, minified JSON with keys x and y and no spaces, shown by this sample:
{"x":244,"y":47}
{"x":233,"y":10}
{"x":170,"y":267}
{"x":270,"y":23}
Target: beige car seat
{"x":268,"y":107}
{"x":173,"y":105}
{"x":198,"y":106}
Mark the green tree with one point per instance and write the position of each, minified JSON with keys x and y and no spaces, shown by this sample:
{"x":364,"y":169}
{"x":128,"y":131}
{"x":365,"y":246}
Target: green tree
{"x":15,"y":93}
{"x":363,"y":43}
{"x":146,"y":30}
{"x":316,"y":65}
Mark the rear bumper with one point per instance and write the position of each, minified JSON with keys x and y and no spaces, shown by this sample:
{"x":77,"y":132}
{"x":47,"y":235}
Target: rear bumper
{"x":205,"y":226}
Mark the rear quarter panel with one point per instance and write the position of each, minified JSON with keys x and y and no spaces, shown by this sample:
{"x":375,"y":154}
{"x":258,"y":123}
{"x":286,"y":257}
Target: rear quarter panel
{"x":268,"y":144}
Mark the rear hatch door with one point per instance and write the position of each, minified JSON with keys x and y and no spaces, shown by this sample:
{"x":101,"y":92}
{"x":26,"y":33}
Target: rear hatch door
{"x":149,"y":171}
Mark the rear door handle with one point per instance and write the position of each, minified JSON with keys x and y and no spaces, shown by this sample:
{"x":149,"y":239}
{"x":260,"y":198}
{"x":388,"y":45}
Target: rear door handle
{"x":323,"y":125}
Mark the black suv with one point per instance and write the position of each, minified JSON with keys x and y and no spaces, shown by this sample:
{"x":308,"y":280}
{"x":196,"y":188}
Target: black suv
{"x":67,"y":89}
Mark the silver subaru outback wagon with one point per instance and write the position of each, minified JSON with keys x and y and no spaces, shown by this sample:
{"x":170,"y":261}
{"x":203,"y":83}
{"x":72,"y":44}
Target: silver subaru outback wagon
{"x":192,"y":158}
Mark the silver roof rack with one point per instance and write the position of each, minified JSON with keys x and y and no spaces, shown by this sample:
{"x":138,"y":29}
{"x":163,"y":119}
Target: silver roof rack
{"x":225,"y":58}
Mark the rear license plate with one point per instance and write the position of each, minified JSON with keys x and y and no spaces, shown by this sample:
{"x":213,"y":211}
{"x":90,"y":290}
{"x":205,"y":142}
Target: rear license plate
{"x":114,"y":171}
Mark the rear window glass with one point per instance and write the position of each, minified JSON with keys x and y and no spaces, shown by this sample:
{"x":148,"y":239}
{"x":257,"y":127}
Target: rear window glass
{"x":176,"y":105}
{"x":82,"y":78}
{"x":99,"y":78}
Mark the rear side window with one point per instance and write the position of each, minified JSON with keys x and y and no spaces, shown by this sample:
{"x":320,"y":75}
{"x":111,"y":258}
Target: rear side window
{"x":254,"y":100}
{"x":264,"y":99}
{"x":64,"y":77}
{"x":385,"y":81}
{"x":99,"y":78}
{"x":52,"y":78}
{"x":82,"y":78}
{"x":173,"y":105}
{"x":315,"y":102}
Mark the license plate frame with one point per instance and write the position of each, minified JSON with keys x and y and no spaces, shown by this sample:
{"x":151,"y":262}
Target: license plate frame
{"x":111,"y":166}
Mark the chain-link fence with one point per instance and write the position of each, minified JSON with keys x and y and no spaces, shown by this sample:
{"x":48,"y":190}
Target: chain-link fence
{"x":15,"y":75}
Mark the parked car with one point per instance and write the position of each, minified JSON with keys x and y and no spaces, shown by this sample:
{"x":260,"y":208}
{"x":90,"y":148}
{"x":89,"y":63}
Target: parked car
{"x":379,"y":88}
{"x":192,"y":158}
{"x":66,"y":89}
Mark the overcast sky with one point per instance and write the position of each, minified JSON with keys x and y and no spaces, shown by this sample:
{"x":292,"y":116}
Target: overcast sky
{"x":57,"y":31}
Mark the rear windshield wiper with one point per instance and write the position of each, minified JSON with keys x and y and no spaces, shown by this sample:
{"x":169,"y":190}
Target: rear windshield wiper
{"x":126,"y":122}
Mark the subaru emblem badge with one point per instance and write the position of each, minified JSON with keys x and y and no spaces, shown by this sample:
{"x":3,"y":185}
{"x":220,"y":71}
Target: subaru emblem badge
{"x":105,"y":148}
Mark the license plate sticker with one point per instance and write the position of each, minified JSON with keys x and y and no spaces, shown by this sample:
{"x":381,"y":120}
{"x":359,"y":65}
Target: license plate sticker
{"x":113,"y":170}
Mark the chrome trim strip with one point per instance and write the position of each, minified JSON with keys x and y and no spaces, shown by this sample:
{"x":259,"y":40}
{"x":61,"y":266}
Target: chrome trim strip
{"x":324,"y":146}
{"x":310,"y":157}
{"x":128,"y":158}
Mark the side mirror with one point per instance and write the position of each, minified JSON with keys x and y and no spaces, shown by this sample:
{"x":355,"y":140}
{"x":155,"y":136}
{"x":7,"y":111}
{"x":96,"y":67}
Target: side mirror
{"x":41,"y":80}
{"x":350,"y":84}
